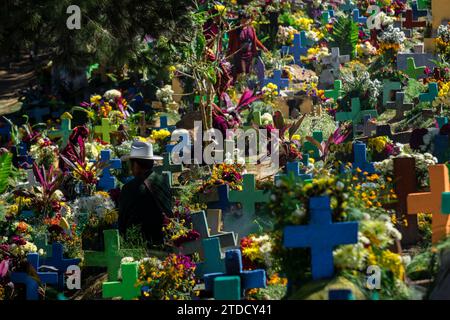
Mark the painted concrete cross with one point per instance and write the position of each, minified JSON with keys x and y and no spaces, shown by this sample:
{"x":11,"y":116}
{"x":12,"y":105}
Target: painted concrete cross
{"x":431,"y":202}
{"x":417,"y":13}
{"x":388,"y":88}
{"x":355,"y":115}
{"x":112,"y":255}
{"x":58,"y":261}
{"x":200,"y":224}
{"x":38,"y":113}
{"x":234,"y":268}
{"x":321,"y":235}
{"x":127,"y":289}
{"x":357,"y":18}
{"x":441,"y":147}
{"x":32,"y":286}
{"x":223,"y":202}
{"x":335,"y":60}
{"x":168,"y":166}
{"x":410,"y":23}
{"x":107,"y":180}
{"x":105,"y":130}
{"x":297,"y":49}
{"x":164,"y":124}
{"x":335,"y":93}
{"x":310,"y":148}
{"x":64,"y":132}
{"x":360,"y":158}
{"x":399,"y":106}
{"x":432,"y":93}
{"x":213,"y":261}
{"x":293,"y":169}
{"x":249,"y":196}
{"x":281,"y":83}
{"x":348,"y":6}
{"x":386,"y":130}
{"x":412,"y":71}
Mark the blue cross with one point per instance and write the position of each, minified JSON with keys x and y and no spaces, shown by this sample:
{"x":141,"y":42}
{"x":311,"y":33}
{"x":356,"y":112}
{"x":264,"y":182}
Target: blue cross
{"x":432,"y":93}
{"x":360,"y":158}
{"x":31,"y":284}
{"x":282,"y":83}
{"x":233,"y":267}
{"x":321,"y":235}
{"x":293,"y":169}
{"x":57,"y":261}
{"x":107,"y":180}
{"x":340,"y":294}
{"x":357,"y":18}
{"x":297,"y":49}
{"x":5,"y":132}
{"x":416,"y":12}
{"x":39,"y":113}
{"x":164,"y":124}
{"x":212,"y":261}
{"x":348,"y":6}
{"x":223,"y":203}
{"x":441,"y":148}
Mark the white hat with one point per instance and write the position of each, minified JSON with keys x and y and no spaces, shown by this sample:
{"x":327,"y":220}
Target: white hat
{"x":142,"y":150}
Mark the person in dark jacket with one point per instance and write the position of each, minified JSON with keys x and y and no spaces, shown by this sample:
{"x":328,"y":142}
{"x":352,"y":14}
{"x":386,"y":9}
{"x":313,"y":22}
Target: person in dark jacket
{"x":147,"y":198}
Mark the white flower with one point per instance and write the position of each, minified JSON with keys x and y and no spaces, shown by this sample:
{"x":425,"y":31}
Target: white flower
{"x":266,"y":119}
{"x":111,"y":95}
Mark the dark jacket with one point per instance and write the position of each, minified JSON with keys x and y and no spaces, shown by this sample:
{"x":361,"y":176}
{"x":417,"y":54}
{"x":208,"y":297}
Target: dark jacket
{"x":143,"y":202}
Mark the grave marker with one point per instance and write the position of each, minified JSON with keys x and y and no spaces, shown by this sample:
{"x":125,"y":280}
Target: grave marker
{"x":127,"y":289}
{"x":32,"y":286}
{"x":297,"y":49}
{"x":411,"y":23}
{"x":249,"y":196}
{"x":64,"y":132}
{"x":281,"y":83}
{"x":355,"y":115}
{"x":399,"y":106}
{"x":360,"y":158}
{"x":105,"y":130}
{"x":213,"y":261}
{"x":335,"y":93}
{"x":321,"y":235}
{"x":311,"y":149}
{"x":164,"y":124}
{"x":432,"y":93}
{"x":107,"y":180}
{"x":431,"y":202}
{"x":388,"y":87}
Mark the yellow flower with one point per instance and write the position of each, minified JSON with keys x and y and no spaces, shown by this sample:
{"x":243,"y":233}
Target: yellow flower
{"x":96,"y":99}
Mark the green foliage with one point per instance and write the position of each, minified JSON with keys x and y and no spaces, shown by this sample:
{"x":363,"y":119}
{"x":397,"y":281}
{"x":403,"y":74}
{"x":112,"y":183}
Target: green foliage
{"x":345,"y":36}
{"x":413,"y":90}
{"x":5,"y":171}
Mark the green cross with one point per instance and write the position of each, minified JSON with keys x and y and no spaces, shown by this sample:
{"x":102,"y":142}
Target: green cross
{"x":167,"y":166}
{"x":411,"y":70}
{"x":356,"y":115}
{"x":41,"y":242}
{"x":105,"y":130}
{"x":336,"y":92}
{"x":64,"y":132}
{"x":310,"y":148}
{"x":249,"y":196}
{"x":128,"y":289}
{"x":388,"y":87}
{"x":111,"y":257}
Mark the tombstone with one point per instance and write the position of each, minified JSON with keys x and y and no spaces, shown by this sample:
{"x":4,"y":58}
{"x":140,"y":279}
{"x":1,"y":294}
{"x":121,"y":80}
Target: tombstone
{"x":399,"y":106}
{"x":348,"y":6}
{"x":112,"y":255}
{"x":227,"y":288}
{"x":200,"y":224}
{"x":281,"y":83}
{"x":213,"y":261}
{"x":321,"y":236}
{"x":360,"y":158}
{"x":411,"y":23}
{"x":335,"y":60}
{"x":164,"y":124}
{"x":233,"y":268}
{"x":357,"y":18}
{"x":432,"y":93}
{"x":405,"y":183}
{"x":127,"y":288}
{"x":407,"y":62}
{"x":64,"y":132}
{"x":293,"y":169}
{"x":105,"y":130}
{"x":335,"y":93}
{"x":58,"y":261}
{"x":249,"y":196}
{"x":355,"y":115}
{"x":222,"y":202}
{"x":340,"y":294}
{"x":310,"y":148}
{"x":168,"y":166}
{"x":432,"y":202}
{"x":107,"y":181}
{"x":388,"y":88}
{"x":32,"y":286}
{"x":297,"y":49}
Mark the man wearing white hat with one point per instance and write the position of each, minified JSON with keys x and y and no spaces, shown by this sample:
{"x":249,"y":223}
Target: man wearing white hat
{"x":147,"y":198}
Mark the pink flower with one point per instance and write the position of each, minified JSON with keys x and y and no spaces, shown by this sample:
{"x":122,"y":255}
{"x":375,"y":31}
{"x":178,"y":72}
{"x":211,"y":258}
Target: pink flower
{"x":4,"y":267}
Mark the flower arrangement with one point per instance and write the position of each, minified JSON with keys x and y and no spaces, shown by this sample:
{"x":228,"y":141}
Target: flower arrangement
{"x":165,"y":94}
{"x":230,"y":175}
{"x":256,"y":252}
{"x":45,"y":152}
{"x":170,"y":279}
{"x":270,"y":92}
{"x":178,"y":227}
{"x":111,"y":105}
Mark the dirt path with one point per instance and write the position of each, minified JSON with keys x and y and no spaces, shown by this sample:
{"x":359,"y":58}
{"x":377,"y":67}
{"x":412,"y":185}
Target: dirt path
{"x":14,"y":77}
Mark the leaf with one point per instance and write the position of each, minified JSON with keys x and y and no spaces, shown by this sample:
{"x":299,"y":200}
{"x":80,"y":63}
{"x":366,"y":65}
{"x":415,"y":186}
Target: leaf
{"x":294,"y":128}
{"x":278,"y":120}
{"x":316,"y":143}
{"x":5,"y":171}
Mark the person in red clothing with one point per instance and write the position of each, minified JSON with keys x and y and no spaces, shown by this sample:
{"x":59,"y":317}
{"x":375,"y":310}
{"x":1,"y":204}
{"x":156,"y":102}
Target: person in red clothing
{"x":243,"y":46}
